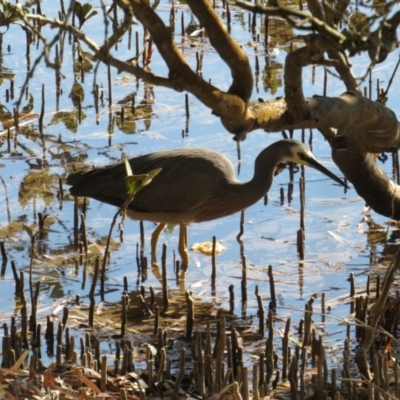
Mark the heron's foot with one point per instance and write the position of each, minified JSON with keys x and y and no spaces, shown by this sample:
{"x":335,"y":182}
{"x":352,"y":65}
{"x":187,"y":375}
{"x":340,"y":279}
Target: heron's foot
{"x":154,"y":262}
{"x":156,"y":270}
{"x":153,"y":244}
{"x":185,"y":260}
{"x":183,"y":269}
{"x":182,"y":247}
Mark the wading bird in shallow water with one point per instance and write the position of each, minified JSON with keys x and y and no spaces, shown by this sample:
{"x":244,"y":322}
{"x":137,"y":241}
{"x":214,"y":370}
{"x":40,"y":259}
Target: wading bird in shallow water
{"x":194,"y":185}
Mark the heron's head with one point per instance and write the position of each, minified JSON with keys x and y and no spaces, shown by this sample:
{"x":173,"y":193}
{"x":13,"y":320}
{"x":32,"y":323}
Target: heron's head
{"x":297,"y":152}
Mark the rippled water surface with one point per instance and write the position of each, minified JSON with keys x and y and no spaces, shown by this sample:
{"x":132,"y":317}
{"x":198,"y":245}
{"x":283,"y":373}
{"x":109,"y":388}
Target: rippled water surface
{"x":341,"y":238}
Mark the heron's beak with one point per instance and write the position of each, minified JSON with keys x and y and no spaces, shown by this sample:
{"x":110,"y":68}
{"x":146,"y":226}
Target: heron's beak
{"x":312,"y":162}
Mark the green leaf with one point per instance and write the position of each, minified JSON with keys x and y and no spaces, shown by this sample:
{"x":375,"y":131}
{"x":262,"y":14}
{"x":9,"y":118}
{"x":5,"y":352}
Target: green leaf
{"x":68,"y":118}
{"x":136,"y":182}
{"x":170,"y":228}
{"x":28,"y":230}
{"x":133,"y":183}
{"x":382,"y":100}
{"x":83,"y":12}
{"x":128,"y":168}
{"x":88,"y":55}
{"x":77,"y":94}
{"x":85,"y":9}
{"x":79,"y":12}
{"x":92,"y":14}
{"x":155,"y":4}
{"x":150,"y":176}
{"x":7,"y":75}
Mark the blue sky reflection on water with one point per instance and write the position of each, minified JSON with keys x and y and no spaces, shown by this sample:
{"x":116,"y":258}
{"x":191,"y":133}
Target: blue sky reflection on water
{"x":336,"y":242}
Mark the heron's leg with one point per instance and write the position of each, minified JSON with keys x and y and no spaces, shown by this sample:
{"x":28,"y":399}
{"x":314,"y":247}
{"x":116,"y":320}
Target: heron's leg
{"x":182,"y":248}
{"x":154,"y":240}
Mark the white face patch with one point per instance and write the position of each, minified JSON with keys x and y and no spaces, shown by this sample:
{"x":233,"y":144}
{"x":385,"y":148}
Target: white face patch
{"x":302,"y":156}
{"x":299,"y":154}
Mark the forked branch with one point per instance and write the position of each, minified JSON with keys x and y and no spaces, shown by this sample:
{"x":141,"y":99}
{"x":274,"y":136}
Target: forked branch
{"x":231,"y":106}
{"x":226,"y":47}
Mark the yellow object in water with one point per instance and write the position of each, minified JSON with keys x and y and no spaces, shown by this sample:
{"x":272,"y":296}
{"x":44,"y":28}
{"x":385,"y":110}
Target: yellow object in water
{"x":206,"y":248}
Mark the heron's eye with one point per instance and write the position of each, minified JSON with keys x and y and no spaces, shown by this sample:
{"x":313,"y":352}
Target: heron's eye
{"x":301,"y":156}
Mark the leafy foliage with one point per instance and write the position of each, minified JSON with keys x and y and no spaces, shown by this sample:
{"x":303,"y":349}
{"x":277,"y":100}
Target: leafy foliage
{"x":136,"y":182}
{"x":9,"y":14}
{"x":84,"y":12}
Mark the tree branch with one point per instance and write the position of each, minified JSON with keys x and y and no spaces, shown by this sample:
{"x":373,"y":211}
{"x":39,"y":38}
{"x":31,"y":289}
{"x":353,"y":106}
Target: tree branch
{"x":326,"y":12}
{"x":340,"y":8}
{"x":378,"y":43}
{"x":344,"y":71}
{"x":230,"y":107}
{"x":316,"y":10}
{"x":101,"y":54}
{"x":286,"y":12}
{"x":294,"y":96}
{"x":226,"y":47}
{"x":370,"y":182}
{"x":367,"y":125}
{"x":232,"y":110}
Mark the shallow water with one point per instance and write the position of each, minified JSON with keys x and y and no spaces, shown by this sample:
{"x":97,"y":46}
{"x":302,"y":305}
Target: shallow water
{"x":338,"y":241}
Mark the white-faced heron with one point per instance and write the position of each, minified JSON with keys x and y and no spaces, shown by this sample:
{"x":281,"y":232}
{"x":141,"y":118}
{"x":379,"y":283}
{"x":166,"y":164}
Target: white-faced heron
{"x":194,"y":185}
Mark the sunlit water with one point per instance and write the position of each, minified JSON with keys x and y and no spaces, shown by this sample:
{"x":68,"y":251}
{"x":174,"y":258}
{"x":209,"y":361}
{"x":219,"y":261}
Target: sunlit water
{"x":337,"y":243}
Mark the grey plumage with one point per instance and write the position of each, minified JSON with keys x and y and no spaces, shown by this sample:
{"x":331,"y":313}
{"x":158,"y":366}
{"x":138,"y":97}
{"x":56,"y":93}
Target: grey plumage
{"x":194,"y":185}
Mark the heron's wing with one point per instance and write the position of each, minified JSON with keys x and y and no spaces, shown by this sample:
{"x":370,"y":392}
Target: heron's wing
{"x":187,"y":179}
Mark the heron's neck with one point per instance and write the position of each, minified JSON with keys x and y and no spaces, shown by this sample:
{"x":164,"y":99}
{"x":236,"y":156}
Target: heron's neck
{"x":235,"y":195}
{"x":258,"y":186}
{"x":264,"y":168}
